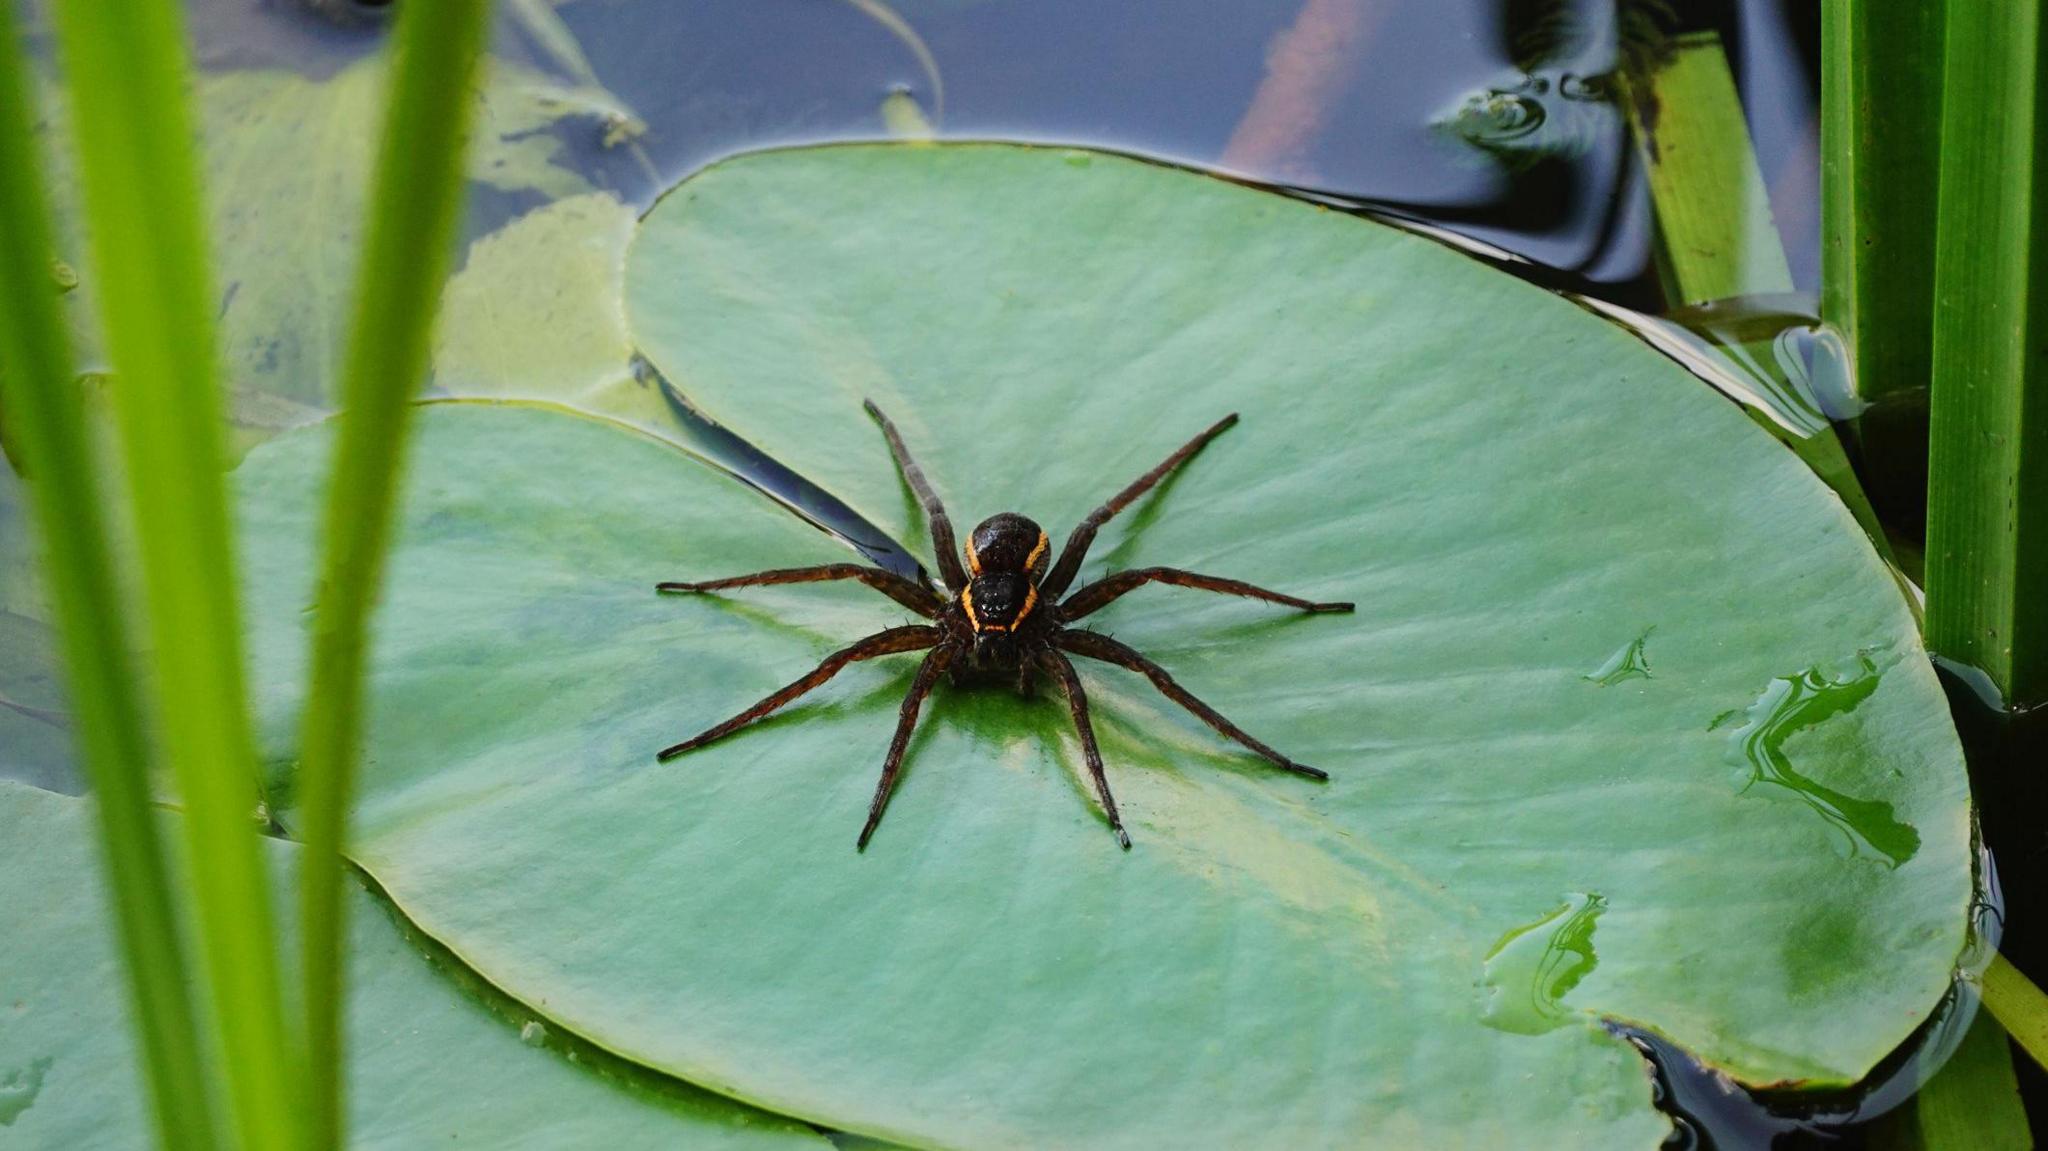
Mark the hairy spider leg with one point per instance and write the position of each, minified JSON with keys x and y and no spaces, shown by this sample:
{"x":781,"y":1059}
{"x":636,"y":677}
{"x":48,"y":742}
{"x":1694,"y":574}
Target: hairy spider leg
{"x":908,"y":592}
{"x":906,"y":721}
{"x":1095,"y":645}
{"x":1069,"y":564}
{"x":1095,"y":596}
{"x":915,"y":637}
{"x":934,"y":511}
{"x":1077,"y":702}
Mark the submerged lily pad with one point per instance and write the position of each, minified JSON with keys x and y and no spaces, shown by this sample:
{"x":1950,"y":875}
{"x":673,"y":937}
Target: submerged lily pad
{"x":1510,"y":489}
{"x":430,"y":1065}
{"x":287,"y":162}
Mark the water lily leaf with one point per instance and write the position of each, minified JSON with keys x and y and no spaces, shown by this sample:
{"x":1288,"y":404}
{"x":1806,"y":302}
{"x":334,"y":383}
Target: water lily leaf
{"x":1755,"y":843}
{"x":537,"y":309}
{"x":287,"y":171}
{"x":430,"y":1063}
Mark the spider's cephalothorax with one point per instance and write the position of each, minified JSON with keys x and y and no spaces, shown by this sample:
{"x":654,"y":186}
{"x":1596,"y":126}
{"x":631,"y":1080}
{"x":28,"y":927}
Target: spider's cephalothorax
{"x":1006,"y":557}
{"x":1006,"y":615}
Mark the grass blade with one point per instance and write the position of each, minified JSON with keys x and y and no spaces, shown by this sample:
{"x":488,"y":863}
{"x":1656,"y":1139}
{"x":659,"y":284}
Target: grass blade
{"x":42,"y":397}
{"x":124,"y":66}
{"x":1881,"y":71}
{"x":413,"y":212}
{"x":1987,"y":492}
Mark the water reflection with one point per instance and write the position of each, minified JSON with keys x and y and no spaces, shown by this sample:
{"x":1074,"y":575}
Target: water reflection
{"x":1792,"y":704}
{"x":1630,"y":661}
{"x":1533,"y":967}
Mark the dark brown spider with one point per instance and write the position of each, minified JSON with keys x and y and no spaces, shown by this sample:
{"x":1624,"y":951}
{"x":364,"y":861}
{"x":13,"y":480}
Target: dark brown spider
{"x":1002,"y":617}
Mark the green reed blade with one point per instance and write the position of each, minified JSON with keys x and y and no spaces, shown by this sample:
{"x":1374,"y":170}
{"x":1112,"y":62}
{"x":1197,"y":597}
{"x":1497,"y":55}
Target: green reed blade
{"x":125,"y":75}
{"x":1715,"y":234}
{"x":413,"y":213}
{"x":1987,"y":491}
{"x":1881,"y":69}
{"x":39,"y":385}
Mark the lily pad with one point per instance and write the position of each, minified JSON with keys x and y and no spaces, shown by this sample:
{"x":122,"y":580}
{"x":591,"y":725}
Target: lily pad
{"x":1515,"y":844}
{"x":430,"y":1063}
{"x":536,"y":309}
{"x":287,"y":163}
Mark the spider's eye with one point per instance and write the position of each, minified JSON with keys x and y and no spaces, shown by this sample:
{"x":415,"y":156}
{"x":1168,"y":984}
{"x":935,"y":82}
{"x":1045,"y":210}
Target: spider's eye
{"x":999,"y":601}
{"x":1008,"y":543}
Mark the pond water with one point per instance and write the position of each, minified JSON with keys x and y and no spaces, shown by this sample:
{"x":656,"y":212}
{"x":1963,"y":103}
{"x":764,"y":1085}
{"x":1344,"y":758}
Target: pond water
{"x":1494,"y":120}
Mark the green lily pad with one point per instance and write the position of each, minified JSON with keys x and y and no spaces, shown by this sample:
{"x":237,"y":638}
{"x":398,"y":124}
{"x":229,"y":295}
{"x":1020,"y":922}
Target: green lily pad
{"x":536,"y":309}
{"x":1516,"y":843}
{"x":430,"y":1064}
{"x":287,"y":163}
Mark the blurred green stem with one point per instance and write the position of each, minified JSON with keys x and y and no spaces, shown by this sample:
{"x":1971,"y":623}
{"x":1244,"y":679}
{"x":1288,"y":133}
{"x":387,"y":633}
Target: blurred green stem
{"x":2019,"y":1006}
{"x":1971,"y":1104}
{"x":37,"y":380}
{"x":413,"y":214}
{"x":1987,"y":492}
{"x":124,"y":66}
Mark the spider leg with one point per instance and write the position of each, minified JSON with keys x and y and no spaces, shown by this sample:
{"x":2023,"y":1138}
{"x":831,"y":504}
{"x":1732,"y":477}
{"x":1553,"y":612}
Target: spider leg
{"x":1095,"y":596}
{"x":906,"y":721}
{"x":934,"y":511}
{"x":916,"y":637}
{"x":1077,"y":702}
{"x":1069,"y":564}
{"x":1095,"y":645}
{"x":908,"y":592}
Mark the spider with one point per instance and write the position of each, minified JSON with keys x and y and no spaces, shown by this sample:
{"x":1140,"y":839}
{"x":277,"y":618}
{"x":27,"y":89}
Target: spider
{"x":1002,"y":618}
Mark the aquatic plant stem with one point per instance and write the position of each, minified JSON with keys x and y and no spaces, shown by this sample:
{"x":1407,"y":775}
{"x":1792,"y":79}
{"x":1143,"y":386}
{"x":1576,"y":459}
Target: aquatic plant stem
{"x":413,"y":212}
{"x":2019,"y":1006}
{"x":39,"y":385}
{"x":1972,"y":1104}
{"x":1881,"y":84}
{"x":1715,"y":234}
{"x":125,"y":73}
{"x":1987,"y":492}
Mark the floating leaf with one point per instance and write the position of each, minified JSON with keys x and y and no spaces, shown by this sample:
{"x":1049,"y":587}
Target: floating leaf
{"x":287,"y":161}
{"x":287,"y":165}
{"x":536,"y":309}
{"x":1510,"y":489}
{"x":431,"y":1064}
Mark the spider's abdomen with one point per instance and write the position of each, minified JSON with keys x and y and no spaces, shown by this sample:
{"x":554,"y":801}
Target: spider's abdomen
{"x":999,"y":601}
{"x":1008,"y":543}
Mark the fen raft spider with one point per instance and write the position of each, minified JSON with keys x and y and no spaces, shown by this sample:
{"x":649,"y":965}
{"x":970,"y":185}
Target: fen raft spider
{"x":1001,"y":618}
